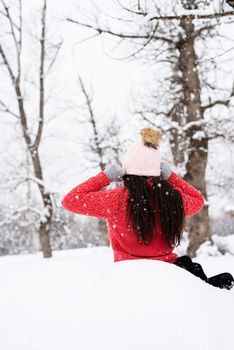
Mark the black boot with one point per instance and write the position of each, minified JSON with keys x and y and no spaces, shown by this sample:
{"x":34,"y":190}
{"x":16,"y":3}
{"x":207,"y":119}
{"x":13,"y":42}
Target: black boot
{"x":184,"y":261}
{"x":223,"y":280}
{"x":196,"y":269}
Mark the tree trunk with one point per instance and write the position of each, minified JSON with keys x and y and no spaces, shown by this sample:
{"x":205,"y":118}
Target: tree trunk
{"x":34,"y":235}
{"x":199,"y":226}
{"x":45,"y":223}
{"x":45,"y":240}
{"x":176,"y":136}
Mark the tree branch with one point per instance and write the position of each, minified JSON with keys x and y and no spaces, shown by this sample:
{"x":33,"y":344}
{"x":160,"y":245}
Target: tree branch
{"x":97,"y":141}
{"x":138,"y":12}
{"x":118,"y":34}
{"x":20,"y":38}
{"x":41,"y":78}
{"x":7,"y":110}
{"x":16,"y":86}
{"x":54,"y":58}
{"x":13,"y":34}
{"x":150,"y":38}
{"x":7,"y":65}
{"x":184,"y":17}
{"x":215,"y":103}
{"x":220,"y":102}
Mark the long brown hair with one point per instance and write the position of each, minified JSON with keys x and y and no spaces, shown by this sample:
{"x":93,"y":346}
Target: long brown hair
{"x":149,"y":204}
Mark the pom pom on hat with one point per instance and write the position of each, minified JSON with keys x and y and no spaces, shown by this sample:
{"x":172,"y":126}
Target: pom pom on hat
{"x":143,"y":156}
{"x":151,"y":137}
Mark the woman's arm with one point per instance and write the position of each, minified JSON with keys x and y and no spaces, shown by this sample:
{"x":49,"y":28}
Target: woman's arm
{"x":88,"y":198}
{"x":193,"y":200}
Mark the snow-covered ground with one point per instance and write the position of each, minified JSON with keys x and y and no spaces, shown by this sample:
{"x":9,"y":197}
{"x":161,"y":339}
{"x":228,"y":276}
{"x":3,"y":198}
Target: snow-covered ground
{"x":80,"y":299}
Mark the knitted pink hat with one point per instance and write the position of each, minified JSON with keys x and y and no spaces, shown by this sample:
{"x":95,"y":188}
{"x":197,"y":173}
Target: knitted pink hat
{"x":143,"y":156}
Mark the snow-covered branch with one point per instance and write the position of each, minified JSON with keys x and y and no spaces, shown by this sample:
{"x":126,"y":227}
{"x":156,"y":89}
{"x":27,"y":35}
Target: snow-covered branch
{"x":191,"y":15}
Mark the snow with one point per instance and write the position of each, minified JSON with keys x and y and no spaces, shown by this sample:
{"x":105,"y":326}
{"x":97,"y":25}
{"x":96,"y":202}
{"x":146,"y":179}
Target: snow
{"x":80,"y":299}
{"x":225,"y":244}
{"x":229,"y":209}
{"x":208,"y":249}
{"x":199,"y":135}
{"x":172,"y":7}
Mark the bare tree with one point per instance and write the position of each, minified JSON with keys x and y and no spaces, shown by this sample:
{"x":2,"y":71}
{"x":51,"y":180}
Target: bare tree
{"x":12,"y":65}
{"x":100,"y":145}
{"x":171,"y":39}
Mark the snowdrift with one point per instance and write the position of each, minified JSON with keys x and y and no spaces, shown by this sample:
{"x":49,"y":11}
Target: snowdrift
{"x":81,"y":300}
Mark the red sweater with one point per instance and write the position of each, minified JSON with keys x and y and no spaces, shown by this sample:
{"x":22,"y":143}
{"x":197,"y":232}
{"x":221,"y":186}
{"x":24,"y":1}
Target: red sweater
{"x":89,"y":198}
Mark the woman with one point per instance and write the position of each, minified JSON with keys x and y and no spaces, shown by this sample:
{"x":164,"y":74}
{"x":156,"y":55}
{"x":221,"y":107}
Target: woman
{"x":146,"y":215}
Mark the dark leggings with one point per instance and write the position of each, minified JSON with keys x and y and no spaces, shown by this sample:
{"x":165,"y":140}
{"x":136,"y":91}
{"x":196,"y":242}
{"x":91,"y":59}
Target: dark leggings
{"x":223,"y":280}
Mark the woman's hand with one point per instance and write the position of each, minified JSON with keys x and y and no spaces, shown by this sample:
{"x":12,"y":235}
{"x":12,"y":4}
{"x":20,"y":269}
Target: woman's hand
{"x":114,"y":172}
{"x":165,"y":170}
